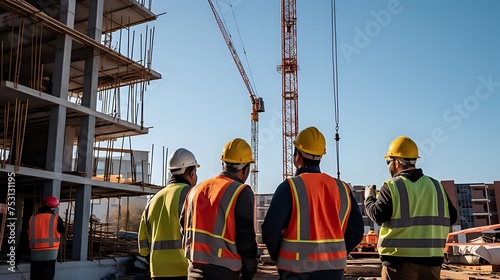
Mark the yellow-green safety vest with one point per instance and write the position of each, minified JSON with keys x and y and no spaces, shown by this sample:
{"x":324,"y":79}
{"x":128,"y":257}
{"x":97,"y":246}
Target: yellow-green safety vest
{"x":159,"y":232}
{"x":420,"y":219}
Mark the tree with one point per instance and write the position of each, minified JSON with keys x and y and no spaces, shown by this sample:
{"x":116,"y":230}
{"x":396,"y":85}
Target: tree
{"x":134,"y":218}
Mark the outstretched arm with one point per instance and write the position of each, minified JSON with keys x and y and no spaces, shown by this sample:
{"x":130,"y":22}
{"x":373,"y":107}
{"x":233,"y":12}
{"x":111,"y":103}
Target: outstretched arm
{"x":379,"y":209}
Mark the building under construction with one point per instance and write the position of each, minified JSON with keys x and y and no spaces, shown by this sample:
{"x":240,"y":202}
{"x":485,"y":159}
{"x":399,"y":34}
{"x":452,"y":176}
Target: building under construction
{"x":72,"y":80}
{"x":73,"y":74}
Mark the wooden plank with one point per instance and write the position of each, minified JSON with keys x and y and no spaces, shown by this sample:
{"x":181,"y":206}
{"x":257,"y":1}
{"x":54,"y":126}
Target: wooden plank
{"x":366,"y":270}
{"x":475,"y":268}
{"x":367,"y":267}
{"x":364,"y":255}
{"x":459,"y":275}
{"x":475,"y":229}
{"x":364,"y":261}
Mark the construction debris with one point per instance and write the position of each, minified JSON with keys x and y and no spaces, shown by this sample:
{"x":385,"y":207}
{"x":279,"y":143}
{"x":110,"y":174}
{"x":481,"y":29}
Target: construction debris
{"x":463,"y":247}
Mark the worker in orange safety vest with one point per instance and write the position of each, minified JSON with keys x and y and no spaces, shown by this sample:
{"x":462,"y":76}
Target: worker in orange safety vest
{"x":45,"y":229}
{"x":217,"y":220}
{"x":313,"y":221}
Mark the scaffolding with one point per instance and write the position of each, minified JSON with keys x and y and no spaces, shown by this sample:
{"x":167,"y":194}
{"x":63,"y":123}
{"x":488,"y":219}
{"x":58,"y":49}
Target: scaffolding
{"x":73,"y":76}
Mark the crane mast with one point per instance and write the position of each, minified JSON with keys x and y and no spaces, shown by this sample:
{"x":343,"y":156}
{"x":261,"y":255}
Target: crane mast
{"x":289,"y":70}
{"x":257,"y":102}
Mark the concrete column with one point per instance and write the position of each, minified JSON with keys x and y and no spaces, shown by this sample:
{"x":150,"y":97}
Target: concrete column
{"x":87,"y":134}
{"x":81,"y":223}
{"x":85,"y":145}
{"x":60,"y":79}
{"x":19,"y":216}
{"x":68,"y":148}
{"x":92,"y":63}
{"x":64,"y":44}
{"x":55,"y":141}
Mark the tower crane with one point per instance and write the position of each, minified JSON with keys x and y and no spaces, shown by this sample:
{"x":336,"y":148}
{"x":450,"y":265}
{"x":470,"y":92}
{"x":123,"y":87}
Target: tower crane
{"x":257,"y":102}
{"x":289,"y":78}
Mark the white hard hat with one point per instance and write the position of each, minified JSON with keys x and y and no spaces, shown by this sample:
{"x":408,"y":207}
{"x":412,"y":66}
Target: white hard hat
{"x":181,"y":159}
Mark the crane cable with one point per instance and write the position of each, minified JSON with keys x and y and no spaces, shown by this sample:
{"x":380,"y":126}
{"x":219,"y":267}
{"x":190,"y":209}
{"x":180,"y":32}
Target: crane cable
{"x":252,"y":82}
{"x":244,"y":50}
{"x":335,"y":80}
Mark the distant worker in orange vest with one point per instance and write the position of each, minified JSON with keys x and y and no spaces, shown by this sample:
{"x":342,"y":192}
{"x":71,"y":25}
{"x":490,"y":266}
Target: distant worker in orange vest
{"x":159,"y":231}
{"x":217,"y":220}
{"x":313,"y":221}
{"x":415,"y":213}
{"x":44,"y":232}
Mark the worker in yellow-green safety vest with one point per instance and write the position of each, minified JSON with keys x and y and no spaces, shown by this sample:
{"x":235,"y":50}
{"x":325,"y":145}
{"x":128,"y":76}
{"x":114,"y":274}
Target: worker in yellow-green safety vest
{"x":159,"y":231}
{"x":415,"y":213}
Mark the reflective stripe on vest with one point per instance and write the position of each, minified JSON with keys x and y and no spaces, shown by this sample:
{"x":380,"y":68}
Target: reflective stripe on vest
{"x":216,"y":251}
{"x":345,"y":201}
{"x":216,"y":245}
{"x":405,"y":220}
{"x":167,"y":244}
{"x":300,"y":251}
{"x":164,"y":244}
{"x":143,"y":244}
{"x":44,"y":237}
{"x":408,"y":235}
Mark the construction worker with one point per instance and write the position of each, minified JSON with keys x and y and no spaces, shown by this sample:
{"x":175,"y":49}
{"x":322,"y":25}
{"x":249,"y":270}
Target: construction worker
{"x":217,"y":220}
{"x":44,"y":232}
{"x":159,"y":231}
{"x":313,"y":221}
{"x":415,"y":213}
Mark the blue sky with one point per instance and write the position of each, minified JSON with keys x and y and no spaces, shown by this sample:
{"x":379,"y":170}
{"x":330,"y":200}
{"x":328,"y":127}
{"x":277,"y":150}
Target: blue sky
{"x":426,"y":69}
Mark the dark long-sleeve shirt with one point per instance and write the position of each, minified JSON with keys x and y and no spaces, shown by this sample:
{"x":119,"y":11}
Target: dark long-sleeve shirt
{"x":380,"y":209}
{"x":246,"y":244}
{"x":278,"y":218}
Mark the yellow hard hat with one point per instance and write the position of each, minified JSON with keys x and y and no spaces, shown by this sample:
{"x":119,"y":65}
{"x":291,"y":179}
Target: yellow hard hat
{"x":237,"y":151}
{"x":402,"y":147}
{"x":311,"y":141}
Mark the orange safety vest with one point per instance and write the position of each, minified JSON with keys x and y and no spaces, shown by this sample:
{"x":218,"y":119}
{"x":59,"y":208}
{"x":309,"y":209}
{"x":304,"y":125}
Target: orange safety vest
{"x":314,"y":238}
{"x":210,"y":235}
{"x":43,"y":232}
